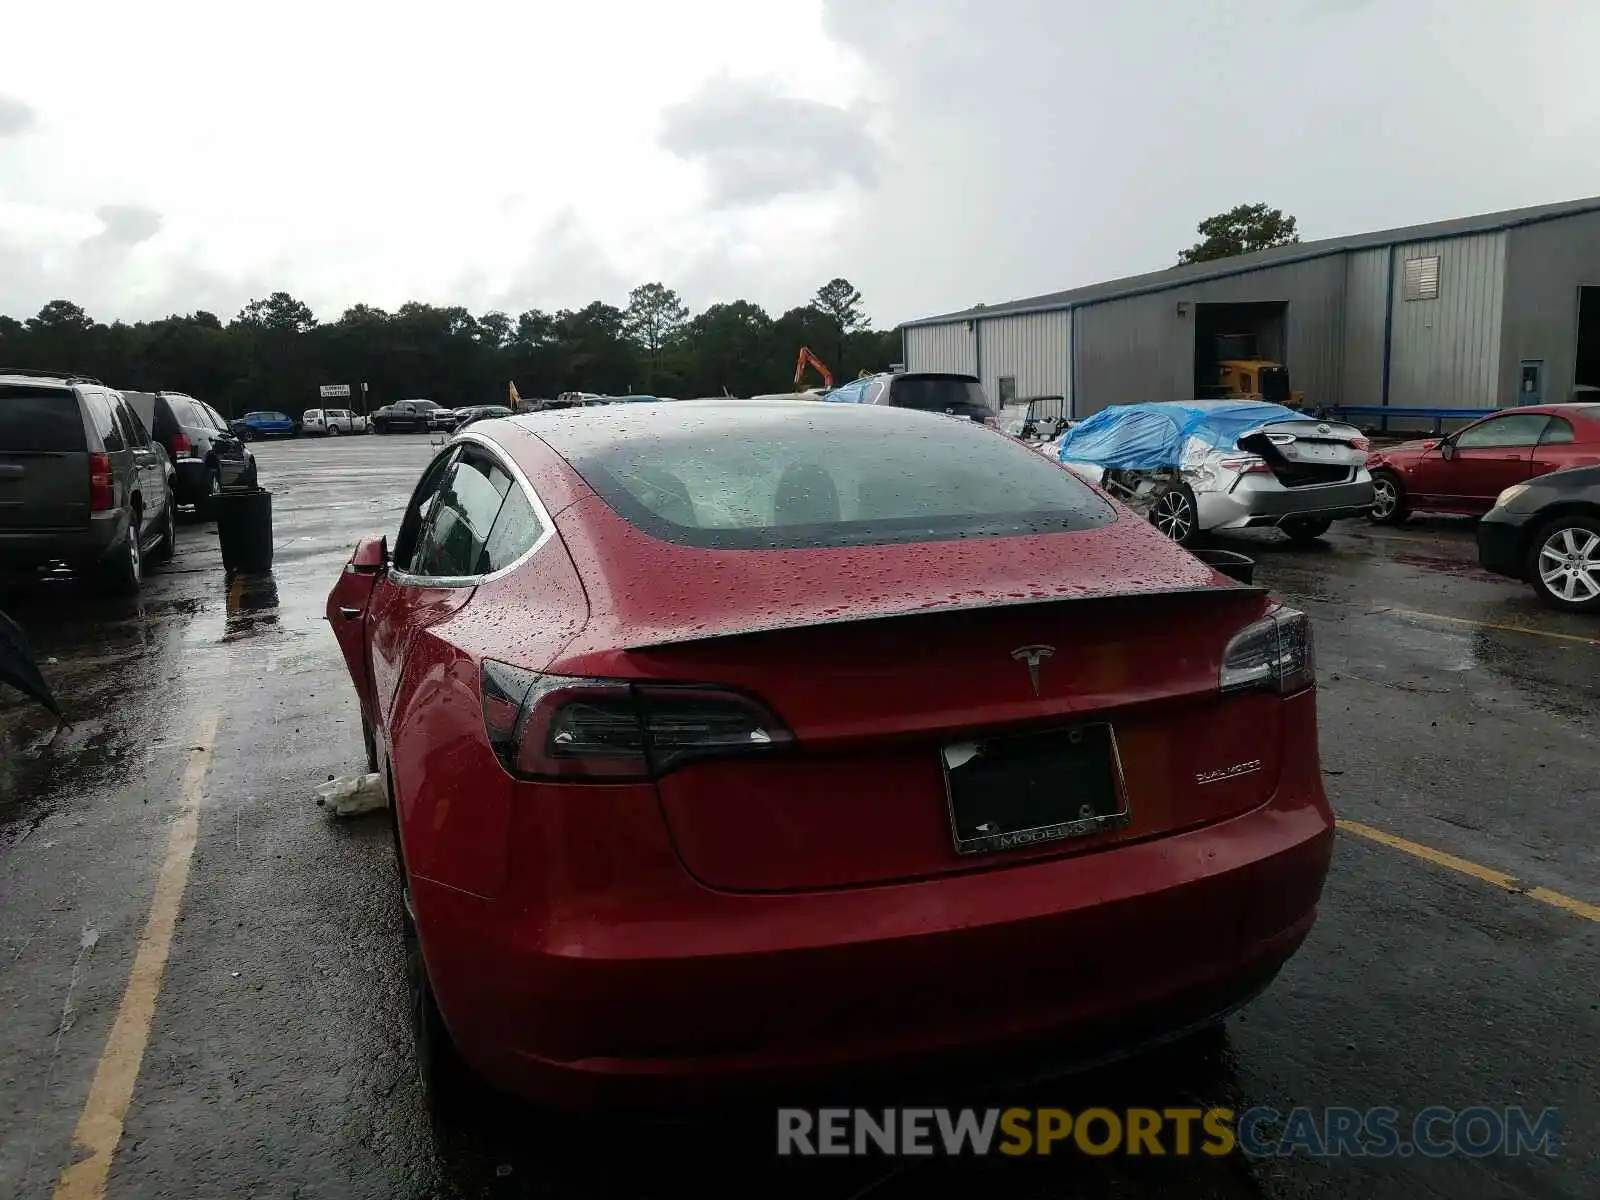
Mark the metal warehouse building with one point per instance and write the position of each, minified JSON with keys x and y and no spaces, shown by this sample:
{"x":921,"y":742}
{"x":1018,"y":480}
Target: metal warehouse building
{"x":1479,"y":312}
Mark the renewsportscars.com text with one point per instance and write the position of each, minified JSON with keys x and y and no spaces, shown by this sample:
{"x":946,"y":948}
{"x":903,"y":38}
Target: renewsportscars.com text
{"x":1435,"y":1132}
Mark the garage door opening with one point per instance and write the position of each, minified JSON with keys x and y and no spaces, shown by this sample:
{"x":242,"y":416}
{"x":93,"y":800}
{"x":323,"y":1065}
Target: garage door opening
{"x":1237,"y":348}
{"x":1586,"y":375}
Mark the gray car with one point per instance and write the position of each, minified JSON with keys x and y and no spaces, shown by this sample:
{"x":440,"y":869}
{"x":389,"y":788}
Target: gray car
{"x":81,"y":481}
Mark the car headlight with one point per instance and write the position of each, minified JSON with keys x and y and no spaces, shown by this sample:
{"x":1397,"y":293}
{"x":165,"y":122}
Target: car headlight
{"x":1510,"y":494}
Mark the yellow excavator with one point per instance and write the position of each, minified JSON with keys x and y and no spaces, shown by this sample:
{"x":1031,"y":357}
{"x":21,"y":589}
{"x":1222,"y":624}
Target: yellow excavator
{"x":1243,"y":375}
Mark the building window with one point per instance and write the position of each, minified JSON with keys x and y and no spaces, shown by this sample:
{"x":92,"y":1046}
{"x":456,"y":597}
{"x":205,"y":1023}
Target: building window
{"x":1008,"y":390}
{"x":1422,"y":278}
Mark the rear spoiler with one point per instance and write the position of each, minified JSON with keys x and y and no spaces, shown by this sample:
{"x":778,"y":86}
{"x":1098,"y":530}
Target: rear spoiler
{"x":680,"y":637}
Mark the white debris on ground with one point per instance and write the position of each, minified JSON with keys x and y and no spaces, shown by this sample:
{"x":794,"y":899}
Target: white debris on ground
{"x":351,"y":795}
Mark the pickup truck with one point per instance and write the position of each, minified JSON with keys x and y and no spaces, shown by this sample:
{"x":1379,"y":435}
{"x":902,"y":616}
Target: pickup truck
{"x":406,"y":416}
{"x":332,"y":422}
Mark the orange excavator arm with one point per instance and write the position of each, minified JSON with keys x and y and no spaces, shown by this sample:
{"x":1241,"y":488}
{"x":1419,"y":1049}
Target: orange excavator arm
{"x":807,"y":358}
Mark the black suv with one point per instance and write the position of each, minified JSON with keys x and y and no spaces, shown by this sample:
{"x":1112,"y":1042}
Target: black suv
{"x":81,"y":481}
{"x":205,"y":453}
{"x":934,"y":391}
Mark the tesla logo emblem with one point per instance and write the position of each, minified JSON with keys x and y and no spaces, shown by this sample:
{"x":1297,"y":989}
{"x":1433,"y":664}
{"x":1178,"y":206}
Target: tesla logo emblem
{"x":1324,"y":429}
{"x":1031,"y":657}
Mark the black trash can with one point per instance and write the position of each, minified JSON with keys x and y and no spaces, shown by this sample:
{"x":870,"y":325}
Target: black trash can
{"x":244,"y":526}
{"x":1234,"y":566}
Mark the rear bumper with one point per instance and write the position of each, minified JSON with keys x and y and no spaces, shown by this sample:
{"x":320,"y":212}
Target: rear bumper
{"x":1500,"y":546}
{"x":1270,"y":506}
{"x":79,"y":546}
{"x":1028,"y":969}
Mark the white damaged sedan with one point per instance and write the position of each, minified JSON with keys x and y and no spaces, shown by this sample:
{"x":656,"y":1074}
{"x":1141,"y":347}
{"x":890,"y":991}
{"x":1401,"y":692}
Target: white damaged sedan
{"x":1212,"y":465}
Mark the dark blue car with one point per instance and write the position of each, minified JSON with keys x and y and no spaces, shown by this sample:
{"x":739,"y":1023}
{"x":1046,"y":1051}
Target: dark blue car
{"x":263,"y":425}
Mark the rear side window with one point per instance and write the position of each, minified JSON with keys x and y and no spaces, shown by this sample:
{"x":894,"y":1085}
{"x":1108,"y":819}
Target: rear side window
{"x":516,"y":530}
{"x":1557,"y":433}
{"x":796,"y":483}
{"x":105,"y":422}
{"x":133,"y":430}
{"x":187,"y":413}
{"x":214,"y":417}
{"x":454,"y":540}
{"x":40,"y":420}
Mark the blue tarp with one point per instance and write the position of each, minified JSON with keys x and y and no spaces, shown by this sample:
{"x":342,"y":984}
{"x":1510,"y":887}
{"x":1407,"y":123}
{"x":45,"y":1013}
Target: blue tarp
{"x":850,"y":393}
{"x":1149,"y":437}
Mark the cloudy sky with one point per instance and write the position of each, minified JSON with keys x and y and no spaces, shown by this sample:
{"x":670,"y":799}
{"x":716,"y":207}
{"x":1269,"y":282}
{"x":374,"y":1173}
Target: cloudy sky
{"x":173,"y":155}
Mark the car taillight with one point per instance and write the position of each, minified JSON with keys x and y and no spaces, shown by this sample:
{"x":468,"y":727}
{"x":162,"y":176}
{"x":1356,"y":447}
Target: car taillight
{"x":182,"y":447}
{"x":1249,"y":465}
{"x":608,"y":730}
{"x":1360,"y":444}
{"x":100,"y":497}
{"x":1275,"y":653}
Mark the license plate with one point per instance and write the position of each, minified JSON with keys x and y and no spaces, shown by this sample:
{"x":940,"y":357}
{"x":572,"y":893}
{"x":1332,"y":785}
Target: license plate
{"x":1321,"y":452}
{"x":1012,"y":792}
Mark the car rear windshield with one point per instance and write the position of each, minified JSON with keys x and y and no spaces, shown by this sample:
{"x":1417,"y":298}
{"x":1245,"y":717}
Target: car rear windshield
{"x":800,"y":482}
{"x":40,"y":420}
{"x":933,"y":394}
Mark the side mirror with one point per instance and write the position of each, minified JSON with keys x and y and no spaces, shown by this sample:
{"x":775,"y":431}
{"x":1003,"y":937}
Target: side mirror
{"x":1447,"y":449}
{"x":372,"y":555}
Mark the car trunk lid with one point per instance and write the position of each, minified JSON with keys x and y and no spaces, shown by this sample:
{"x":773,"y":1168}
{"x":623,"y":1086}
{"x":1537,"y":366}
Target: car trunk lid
{"x":914,"y":733}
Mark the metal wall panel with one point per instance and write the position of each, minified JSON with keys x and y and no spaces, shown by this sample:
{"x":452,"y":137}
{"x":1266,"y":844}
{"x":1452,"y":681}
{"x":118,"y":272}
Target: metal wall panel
{"x":1446,"y":351}
{"x":1546,"y":264}
{"x":1366,"y":300}
{"x":1035,"y":350}
{"x":950,"y":347}
{"x":1142,"y":347}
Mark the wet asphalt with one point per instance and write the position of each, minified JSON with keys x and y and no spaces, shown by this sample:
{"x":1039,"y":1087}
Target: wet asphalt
{"x":279,"y":1058}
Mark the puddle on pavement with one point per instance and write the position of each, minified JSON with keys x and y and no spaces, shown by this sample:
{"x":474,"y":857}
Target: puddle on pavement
{"x":252,"y":606}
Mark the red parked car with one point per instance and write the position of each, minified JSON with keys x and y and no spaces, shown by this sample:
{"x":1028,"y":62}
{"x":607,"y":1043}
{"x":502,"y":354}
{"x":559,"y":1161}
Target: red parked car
{"x":740,"y":745}
{"x":1463,"y":473}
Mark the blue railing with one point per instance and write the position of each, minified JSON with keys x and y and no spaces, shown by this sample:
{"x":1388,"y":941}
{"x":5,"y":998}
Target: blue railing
{"x":1370,"y":416}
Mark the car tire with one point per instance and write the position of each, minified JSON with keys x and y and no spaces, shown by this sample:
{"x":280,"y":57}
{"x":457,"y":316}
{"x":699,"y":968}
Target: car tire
{"x":1564,"y":554}
{"x":169,"y":535}
{"x":333,"y":431}
{"x":250,"y":478}
{"x":369,"y":739}
{"x":1176,"y":514}
{"x":122,"y":572}
{"x":1302,"y":531}
{"x":1388,"y":499}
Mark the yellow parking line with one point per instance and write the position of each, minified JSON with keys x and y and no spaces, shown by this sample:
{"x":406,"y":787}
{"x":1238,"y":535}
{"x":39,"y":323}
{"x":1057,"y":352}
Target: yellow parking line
{"x":1464,"y":866}
{"x":1549,"y":633}
{"x":100,"y":1124}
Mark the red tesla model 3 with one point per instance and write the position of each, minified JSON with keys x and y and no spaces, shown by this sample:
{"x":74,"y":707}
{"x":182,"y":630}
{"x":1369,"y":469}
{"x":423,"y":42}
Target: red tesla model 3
{"x":736,"y":747}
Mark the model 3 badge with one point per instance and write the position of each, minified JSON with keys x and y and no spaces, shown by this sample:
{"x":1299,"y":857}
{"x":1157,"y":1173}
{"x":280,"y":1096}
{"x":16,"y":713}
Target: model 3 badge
{"x":1032,"y":656}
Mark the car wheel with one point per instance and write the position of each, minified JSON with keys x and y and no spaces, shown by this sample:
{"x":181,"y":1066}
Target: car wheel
{"x":123,"y":571}
{"x":1564,"y":563}
{"x":333,"y":431}
{"x":1304,"y":530}
{"x":1176,"y":515}
{"x":169,"y":535}
{"x":1388,"y":499}
{"x":250,"y":479}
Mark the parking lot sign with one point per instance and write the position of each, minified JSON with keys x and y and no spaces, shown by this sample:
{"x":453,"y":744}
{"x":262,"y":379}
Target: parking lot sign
{"x":334,"y":391}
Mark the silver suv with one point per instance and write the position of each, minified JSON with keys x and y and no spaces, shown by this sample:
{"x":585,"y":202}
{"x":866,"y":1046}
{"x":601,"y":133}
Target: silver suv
{"x":81,"y":481}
